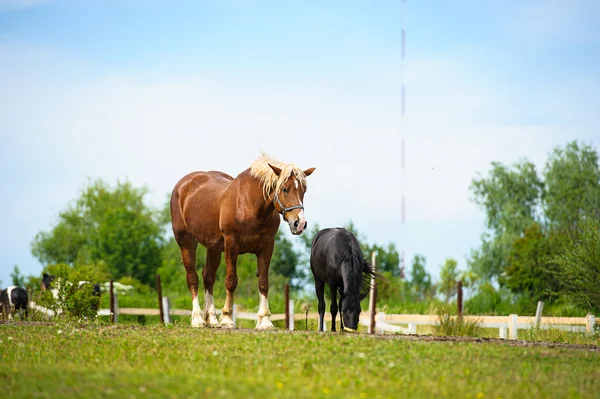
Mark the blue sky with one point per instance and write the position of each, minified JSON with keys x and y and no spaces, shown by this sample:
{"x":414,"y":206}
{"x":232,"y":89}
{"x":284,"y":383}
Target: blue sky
{"x":149,"y":91}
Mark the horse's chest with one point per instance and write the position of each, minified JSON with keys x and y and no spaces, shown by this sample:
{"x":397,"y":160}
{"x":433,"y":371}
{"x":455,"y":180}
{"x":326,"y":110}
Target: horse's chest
{"x":255,"y":240}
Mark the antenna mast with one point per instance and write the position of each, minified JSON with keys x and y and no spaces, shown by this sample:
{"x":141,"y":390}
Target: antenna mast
{"x":403,"y":94}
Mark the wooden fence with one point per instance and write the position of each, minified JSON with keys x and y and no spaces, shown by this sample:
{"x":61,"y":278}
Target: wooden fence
{"x":376,"y":322}
{"x":385,"y":323}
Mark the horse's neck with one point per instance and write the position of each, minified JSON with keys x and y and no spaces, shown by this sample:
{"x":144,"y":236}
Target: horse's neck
{"x":263,"y":208}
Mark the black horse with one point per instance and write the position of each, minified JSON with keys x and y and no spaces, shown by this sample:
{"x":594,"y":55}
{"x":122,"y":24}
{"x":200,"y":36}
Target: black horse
{"x":337,"y":260}
{"x":14,"y":299}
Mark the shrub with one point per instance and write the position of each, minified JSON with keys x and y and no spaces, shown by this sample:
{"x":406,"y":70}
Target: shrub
{"x":71,"y":300}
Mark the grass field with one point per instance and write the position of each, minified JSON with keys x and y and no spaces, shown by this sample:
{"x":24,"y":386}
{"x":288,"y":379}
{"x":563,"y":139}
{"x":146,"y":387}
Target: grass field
{"x":130,"y":361}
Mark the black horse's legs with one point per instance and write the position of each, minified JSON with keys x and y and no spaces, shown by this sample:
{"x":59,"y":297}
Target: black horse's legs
{"x":341,"y":312}
{"x":334,"y":307}
{"x":320,"y":290}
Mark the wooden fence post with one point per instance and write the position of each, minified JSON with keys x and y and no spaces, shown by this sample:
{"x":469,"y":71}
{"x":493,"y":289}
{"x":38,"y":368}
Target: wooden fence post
{"x":160,"y":303}
{"x":373,"y":296}
{"x":459,"y":302}
{"x":286,"y":290}
{"x":166,"y":309}
{"x":112,"y":303}
{"x":512,"y":326}
{"x":538,"y":314}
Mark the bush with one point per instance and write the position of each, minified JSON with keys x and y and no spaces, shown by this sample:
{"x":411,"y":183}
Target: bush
{"x":72,"y":301}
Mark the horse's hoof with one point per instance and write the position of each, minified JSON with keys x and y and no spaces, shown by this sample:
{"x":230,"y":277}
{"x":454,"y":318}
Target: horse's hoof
{"x":213,"y":321}
{"x":197,"y":320}
{"x":227,"y":322}
{"x":265,"y":324}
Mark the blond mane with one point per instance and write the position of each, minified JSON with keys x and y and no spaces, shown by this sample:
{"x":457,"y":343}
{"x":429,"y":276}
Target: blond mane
{"x":261,"y":170}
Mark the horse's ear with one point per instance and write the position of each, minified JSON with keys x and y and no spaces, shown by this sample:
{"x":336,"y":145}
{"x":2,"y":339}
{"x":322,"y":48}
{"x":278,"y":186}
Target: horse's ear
{"x":308,"y":171}
{"x":45,"y":275}
{"x":275,"y":169}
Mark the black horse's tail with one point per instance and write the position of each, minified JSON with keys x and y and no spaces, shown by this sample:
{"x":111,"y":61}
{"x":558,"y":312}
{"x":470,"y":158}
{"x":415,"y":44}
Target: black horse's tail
{"x":368,"y":273}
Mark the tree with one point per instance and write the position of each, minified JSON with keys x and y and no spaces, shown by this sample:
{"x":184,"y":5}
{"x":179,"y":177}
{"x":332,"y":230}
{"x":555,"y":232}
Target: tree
{"x":572,"y":180}
{"x":511,"y":199}
{"x":448,"y":278}
{"x":388,"y":258}
{"x":17,"y":278}
{"x":285,"y":260}
{"x":419,"y":278}
{"x":510,"y":196}
{"x":531,"y":270}
{"x":579,"y":267}
{"x":111,"y":228}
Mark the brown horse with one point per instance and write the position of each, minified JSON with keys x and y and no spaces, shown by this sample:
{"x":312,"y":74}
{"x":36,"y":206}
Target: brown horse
{"x":235,"y":216}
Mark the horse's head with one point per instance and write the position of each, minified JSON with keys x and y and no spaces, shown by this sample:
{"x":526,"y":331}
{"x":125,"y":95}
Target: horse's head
{"x":288,"y":200}
{"x":350,"y":312}
{"x":46,"y":280}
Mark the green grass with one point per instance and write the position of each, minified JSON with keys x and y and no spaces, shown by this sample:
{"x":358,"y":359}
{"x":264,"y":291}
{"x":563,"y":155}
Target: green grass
{"x":127,"y":361}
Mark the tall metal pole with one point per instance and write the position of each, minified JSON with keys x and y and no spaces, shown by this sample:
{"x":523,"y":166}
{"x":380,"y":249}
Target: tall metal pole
{"x":403,"y":145}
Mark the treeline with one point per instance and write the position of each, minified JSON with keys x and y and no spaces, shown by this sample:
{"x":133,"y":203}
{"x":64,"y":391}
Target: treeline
{"x":541,"y":243}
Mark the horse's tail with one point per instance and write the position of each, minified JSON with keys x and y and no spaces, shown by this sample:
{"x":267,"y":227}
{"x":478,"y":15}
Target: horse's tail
{"x":368,"y":273}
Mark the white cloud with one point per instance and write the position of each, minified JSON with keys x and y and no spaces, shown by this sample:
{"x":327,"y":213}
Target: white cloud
{"x":64,"y":126}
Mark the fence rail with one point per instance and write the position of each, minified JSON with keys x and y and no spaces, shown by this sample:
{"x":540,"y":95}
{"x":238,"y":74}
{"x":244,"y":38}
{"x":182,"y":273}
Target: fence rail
{"x":390,"y":323}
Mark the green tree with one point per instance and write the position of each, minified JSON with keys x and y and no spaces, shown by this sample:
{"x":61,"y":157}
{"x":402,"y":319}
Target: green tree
{"x":531,"y":270}
{"x":387,"y":258}
{"x":419,"y":278}
{"x":448,"y":278}
{"x":17,"y":278}
{"x":572,"y":179}
{"x":579,"y":267}
{"x":510,"y":197}
{"x":111,"y":228}
{"x":286,"y":260}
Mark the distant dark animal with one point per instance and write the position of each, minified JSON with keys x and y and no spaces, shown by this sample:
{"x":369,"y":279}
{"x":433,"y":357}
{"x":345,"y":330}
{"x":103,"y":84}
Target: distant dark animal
{"x":12,"y":300}
{"x":337,"y":260}
{"x":46,"y":281}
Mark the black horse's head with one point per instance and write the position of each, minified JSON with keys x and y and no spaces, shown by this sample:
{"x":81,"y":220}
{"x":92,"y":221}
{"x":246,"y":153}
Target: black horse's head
{"x":46,"y":280}
{"x":350,"y":313}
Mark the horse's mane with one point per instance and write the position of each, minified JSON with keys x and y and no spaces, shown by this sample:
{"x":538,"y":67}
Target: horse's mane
{"x":261,"y":170}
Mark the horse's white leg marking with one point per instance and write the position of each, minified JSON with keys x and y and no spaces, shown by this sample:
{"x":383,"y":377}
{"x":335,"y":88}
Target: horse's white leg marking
{"x":209,"y":310}
{"x":10,"y":304}
{"x":226,"y":320}
{"x":263,"y":317}
{"x":197,"y":319}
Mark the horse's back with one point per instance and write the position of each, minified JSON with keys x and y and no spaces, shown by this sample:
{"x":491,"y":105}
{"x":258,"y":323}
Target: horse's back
{"x":195,"y":204}
{"x":331,"y":248}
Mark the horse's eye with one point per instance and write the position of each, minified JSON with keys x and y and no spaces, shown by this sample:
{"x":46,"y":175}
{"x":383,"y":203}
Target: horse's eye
{"x":285,"y":190}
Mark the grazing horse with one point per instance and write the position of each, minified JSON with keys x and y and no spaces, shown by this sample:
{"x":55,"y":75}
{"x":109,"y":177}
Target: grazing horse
{"x":235,"y":216}
{"x":337,"y":260}
{"x":16,"y":297}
